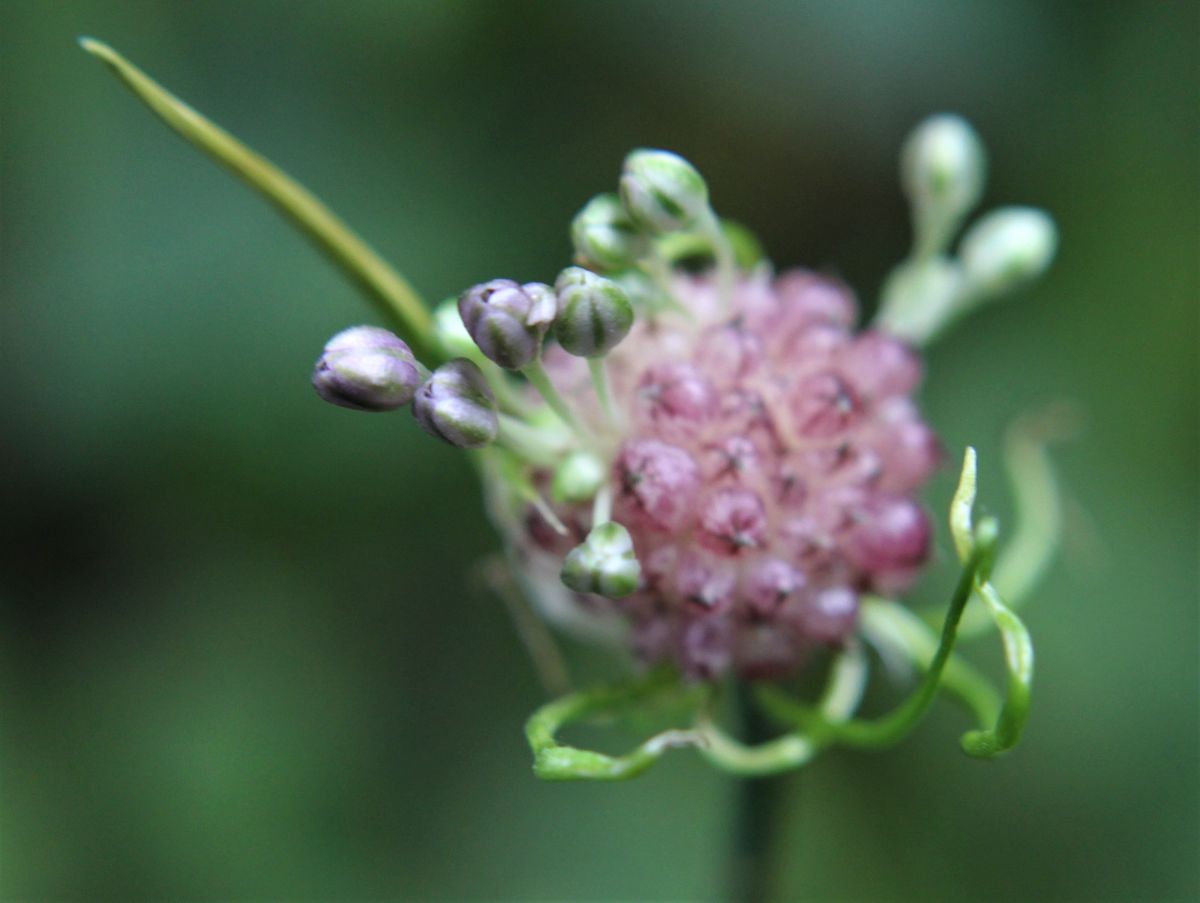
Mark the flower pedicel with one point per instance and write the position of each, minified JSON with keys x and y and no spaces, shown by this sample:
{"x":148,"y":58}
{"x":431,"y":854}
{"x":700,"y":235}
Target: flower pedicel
{"x":711,"y":459}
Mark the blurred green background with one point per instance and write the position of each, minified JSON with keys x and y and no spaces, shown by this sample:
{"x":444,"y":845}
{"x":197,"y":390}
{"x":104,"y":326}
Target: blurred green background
{"x":242,"y":653}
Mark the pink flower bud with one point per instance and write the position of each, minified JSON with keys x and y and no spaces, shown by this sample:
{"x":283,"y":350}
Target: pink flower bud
{"x":732,"y":521}
{"x":658,"y":483}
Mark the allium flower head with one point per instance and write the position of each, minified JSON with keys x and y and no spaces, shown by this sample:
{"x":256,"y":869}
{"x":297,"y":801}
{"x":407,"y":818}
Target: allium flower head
{"x":721,"y":461}
{"x":764,"y":458}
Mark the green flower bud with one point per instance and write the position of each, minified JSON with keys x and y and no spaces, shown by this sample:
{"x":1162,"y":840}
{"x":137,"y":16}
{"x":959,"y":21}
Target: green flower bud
{"x":594,"y":313}
{"x":604,"y":564}
{"x":578,"y":478}
{"x":943,"y":160}
{"x":662,"y":192}
{"x":1008,"y":248}
{"x":456,"y":406}
{"x":605,"y":237}
{"x":942,"y":169}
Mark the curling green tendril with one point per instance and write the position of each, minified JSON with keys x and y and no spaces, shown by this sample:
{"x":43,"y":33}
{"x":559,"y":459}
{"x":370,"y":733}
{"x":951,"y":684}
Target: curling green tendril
{"x":828,"y":722}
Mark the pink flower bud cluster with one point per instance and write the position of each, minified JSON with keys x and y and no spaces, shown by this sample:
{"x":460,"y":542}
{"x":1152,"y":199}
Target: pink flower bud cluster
{"x":765,"y":470}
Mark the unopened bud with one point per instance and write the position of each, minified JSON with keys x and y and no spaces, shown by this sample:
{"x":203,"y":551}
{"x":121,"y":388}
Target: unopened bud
{"x":604,"y":236}
{"x":578,"y":478}
{"x":507,"y":320}
{"x":367,"y":368}
{"x":662,"y":192}
{"x":942,"y":168}
{"x":1007,"y":248}
{"x":594,"y":313}
{"x":605,"y":564}
{"x":456,"y":405}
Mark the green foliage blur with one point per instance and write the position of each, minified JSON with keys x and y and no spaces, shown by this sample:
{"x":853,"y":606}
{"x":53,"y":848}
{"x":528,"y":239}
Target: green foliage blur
{"x":244,"y":651}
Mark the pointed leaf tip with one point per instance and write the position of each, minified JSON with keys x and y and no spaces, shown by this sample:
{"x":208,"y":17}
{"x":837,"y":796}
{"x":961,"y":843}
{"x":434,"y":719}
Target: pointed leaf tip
{"x":391,"y":291}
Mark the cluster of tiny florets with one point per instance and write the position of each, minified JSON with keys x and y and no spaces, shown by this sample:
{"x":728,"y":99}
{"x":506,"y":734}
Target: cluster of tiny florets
{"x":764,"y":466}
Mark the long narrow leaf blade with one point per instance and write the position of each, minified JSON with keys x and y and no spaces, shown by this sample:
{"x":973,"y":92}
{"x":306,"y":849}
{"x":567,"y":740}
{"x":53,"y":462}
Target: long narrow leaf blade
{"x":383,"y":284}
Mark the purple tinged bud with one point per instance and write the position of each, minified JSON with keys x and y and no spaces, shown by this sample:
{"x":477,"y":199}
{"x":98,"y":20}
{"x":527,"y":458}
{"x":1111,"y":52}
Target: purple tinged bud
{"x":594,"y":313}
{"x":508,"y":321}
{"x":367,"y":368}
{"x":456,"y":405}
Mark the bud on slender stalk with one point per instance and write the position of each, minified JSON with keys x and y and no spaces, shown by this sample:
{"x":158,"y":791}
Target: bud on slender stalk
{"x":367,"y":368}
{"x":604,"y":564}
{"x":942,"y":169}
{"x":456,"y":405}
{"x":1008,"y":248}
{"x":605,"y":237}
{"x":508,"y":321}
{"x":594,"y":313}
{"x":662,"y":192}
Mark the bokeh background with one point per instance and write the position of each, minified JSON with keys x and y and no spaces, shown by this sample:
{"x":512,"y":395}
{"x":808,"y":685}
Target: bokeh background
{"x":242,"y":652}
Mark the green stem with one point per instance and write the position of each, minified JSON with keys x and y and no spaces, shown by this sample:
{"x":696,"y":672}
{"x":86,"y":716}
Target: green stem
{"x":510,"y":470}
{"x":602,"y":506}
{"x":527,"y":442}
{"x":504,"y":389}
{"x":600,"y":384}
{"x":890,"y":626}
{"x":757,"y":802}
{"x":391,"y":292}
{"x":540,"y":380}
{"x":726,"y":263}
